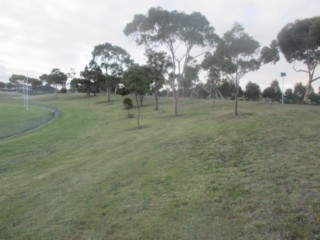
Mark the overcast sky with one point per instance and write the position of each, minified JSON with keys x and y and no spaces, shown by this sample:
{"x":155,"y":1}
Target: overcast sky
{"x":39,"y":35}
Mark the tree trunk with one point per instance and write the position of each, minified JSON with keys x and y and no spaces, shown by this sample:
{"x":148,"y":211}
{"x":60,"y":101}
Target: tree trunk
{"x":138,"y":116}
{"x":156,"y":92}
{"x":311,"y":70}
{"x":175,"y":103}
{"x":308,"y":91}
{"x":236,"y":99}
{"x":108,"y":95}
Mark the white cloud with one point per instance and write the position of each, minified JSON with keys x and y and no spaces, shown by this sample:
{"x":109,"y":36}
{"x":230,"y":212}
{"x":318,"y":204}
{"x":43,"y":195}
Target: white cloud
{"x":38,"y":35}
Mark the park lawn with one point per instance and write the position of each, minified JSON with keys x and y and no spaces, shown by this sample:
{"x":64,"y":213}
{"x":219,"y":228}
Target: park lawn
{"x":205,"y":174}
{"x":12,"y":113}
{"x":14,"y":116}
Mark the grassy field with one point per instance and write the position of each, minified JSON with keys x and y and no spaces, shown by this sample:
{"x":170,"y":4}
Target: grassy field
{"x":14,"y":117}
{"x":205,"y":174}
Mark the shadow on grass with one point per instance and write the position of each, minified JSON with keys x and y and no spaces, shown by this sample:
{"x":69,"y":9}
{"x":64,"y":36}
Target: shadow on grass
{"x":171,"y":116}
{"x":106,"y":102}
{"x":232,"y":116}
{"x":137,"y":129}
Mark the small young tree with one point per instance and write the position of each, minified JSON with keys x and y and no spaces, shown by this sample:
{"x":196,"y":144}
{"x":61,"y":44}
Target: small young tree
{"x":137,"y":80}
{"x":127,"y":103}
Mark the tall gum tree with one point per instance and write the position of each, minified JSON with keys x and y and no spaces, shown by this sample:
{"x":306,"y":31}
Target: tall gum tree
{"x":238,"y":54}
{"x":112,"y":60}
{"x":183,"y":36}
{"x":300,"y":41}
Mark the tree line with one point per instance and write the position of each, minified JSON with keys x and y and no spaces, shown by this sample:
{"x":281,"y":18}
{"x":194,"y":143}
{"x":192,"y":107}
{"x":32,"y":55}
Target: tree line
{"x":178,"y":46}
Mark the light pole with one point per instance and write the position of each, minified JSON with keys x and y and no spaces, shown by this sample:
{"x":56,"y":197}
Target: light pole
{"x":283,"y":74}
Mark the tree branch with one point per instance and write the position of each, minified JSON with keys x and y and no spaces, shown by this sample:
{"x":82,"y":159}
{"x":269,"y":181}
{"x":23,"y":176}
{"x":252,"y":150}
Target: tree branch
{"x":315,"y":79}
{"x":296,"y":70}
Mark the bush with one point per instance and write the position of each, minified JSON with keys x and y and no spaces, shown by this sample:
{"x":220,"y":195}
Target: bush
{"x":63,"y":90}
{"x":127,"y":103}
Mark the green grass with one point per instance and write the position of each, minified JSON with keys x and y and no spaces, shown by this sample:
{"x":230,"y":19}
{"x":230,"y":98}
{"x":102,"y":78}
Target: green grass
{"x":12,"y":113}
{"x":15,"y":118}
{"x":204,"y":174}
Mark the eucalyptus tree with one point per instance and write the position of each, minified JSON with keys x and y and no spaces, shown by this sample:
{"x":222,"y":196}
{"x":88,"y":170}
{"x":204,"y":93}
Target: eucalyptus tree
{"x":299,"y":92}
{"x":159,"y":65}
{"x":34,"y":82}
{"x":16,"y":79}
{"x":300,"y":42}
{"x":238,"y":54}
{"x":112,"y":60}
{"x":92,"y":77}
{"x":214,"y":77}
{"x":183,"y":36}
{"x":253,"y":91}
{"x":273,"y":92}
{"x":44,"y":79}
{"x":55,"y":78}
{"x":190,"y":80}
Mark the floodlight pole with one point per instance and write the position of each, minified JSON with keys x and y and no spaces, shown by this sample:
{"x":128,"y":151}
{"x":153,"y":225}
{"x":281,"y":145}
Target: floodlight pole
{"x":283,"y":74}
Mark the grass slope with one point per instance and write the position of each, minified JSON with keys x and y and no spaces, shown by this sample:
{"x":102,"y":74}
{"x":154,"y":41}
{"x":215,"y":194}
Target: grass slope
{"x":202,"y":175}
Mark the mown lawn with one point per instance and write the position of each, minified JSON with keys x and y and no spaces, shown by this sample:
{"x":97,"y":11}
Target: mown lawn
{"x":14,"y":117}
{"x":205,"y":174}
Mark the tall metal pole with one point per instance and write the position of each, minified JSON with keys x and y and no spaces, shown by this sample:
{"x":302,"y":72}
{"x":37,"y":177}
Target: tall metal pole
{"x":24,"y":95}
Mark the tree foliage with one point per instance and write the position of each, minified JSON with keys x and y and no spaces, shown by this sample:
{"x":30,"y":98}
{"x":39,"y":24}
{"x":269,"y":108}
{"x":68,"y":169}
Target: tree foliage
{"x":16,"y":77}
{"x":57,"y":77}
{"x":178,"y":33}
{"x":273,"y":92}
{"x":300,"y":41}
{"x":159,"y":65}
{"x":237,"y":54}
{"x":137,"y":80}
{"x":92,"y":78}
{"x":127,"y":103}
{"x":112,"y":60}
{"x":253,"y":91}
{"x":299,"y":92}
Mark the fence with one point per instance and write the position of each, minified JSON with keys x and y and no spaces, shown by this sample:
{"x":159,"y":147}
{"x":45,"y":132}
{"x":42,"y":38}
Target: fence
{"x":21,"y":126}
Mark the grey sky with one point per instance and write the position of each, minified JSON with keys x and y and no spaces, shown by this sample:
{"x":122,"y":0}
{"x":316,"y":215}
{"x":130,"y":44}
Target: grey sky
{"x":39,"y":35}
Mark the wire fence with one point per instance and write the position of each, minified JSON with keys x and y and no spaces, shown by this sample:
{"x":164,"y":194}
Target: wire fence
{"x":22,"y":126}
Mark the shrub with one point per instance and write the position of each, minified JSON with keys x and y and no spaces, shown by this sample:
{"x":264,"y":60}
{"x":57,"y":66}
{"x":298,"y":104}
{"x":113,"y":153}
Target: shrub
{"x":127,"y":103}
{"x":63,"y":90}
